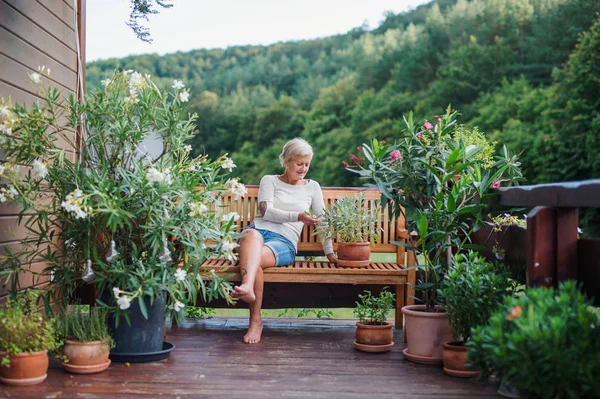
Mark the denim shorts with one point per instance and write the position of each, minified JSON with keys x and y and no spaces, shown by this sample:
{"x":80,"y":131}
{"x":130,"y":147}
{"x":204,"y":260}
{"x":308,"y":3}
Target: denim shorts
{"x":283,"y":249}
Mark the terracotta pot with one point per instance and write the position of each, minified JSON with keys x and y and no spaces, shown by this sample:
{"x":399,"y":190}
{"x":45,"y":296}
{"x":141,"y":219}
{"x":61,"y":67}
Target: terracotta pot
{"x":374,"y":338}
{"x":354,"y":254}
{"x":454,"y":357}
{"x":425,"y":334}
{"x":25,"y":368}
{"x":86,"y":357}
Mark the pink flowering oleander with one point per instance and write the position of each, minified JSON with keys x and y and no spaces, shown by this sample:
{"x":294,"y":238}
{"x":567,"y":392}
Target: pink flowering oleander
{"x":395,"y":155}
{"x":428,"y":126}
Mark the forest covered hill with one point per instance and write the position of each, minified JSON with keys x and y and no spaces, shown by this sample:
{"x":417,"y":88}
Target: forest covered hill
{"x":525,"y":72}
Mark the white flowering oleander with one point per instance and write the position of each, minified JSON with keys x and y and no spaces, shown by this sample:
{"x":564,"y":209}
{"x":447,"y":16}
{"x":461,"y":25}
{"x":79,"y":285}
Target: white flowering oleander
{"x":229,"y":246}
{"x":40,"y":169}
{"x":231,"y":215}
{"x":155,"y":176}
{"x":237,"y":189}
{"x":197,"y":209}
{"x":178,"y":84}
{"x":180,"y":274}
{"x":184,"y":96}
{"x":35,"y":78}
{"x":178,"y":306}
{"x":228,"y":164}
{"x":116,"y":292}
{"x":187,"y":148}
{"x":124,"y":302}
{"x":105,"y":82}
{"x":12,"y":191}
{"x":2,"y":197}
{"x":73,"y":204}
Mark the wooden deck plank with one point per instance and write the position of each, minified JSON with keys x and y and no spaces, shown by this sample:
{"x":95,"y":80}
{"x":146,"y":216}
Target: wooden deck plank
{"x":297,"y":357}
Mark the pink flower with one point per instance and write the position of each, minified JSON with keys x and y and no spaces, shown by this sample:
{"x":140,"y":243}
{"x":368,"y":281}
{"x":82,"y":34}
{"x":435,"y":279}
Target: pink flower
{"x":428,"y":126}
{"x":395,"y":155}
{"x":496,"y":183}
{"x":515,"y":313}
{"x":419,"y":136}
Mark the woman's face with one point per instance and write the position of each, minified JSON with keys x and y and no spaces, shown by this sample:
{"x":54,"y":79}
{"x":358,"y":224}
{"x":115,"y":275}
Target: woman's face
{"x":298,"y":167}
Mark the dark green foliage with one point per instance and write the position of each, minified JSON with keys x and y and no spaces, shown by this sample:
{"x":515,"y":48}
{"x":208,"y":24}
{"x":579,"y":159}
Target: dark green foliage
{"x":373,"y":309}
{"x":140,"y":9}
{"x":472,"y":290}
{"x":546,"y":344}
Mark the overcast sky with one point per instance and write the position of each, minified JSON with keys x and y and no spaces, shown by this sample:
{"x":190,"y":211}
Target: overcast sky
{"x":194,"y":24}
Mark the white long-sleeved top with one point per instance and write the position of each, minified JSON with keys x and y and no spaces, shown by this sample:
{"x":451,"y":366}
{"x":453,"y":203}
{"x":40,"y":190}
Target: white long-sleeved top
{"x":284,"y":203}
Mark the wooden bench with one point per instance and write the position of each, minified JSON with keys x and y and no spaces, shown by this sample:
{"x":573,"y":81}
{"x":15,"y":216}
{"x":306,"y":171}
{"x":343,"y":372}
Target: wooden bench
{"x":320,"y":284}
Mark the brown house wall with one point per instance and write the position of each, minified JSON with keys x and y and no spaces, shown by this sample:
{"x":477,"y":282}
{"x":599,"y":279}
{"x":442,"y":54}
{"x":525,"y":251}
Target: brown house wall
{"x":35,"y":33}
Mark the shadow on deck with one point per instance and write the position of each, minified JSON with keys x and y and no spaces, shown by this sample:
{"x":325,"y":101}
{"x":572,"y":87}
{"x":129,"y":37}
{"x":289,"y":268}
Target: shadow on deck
{"x":296,"y":358}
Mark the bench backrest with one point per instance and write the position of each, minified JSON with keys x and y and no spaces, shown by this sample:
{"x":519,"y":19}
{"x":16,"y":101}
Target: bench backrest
{"x":391,"y":229}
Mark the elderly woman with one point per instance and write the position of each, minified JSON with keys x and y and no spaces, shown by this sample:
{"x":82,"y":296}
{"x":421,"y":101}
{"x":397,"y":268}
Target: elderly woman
{"x":271,"y":240}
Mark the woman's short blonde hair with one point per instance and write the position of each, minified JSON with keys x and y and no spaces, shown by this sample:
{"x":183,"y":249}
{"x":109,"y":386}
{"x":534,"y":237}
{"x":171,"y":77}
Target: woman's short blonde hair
{"x":295,"y":148}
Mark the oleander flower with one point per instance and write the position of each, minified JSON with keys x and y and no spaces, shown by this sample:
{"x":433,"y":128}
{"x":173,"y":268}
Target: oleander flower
{"x":178,"y":85}
{"x":40,"y":169}
{"x":180,"y":274}
{"x":178,"y":306}
{"x":124,"y":302}
{"x":184,"y":96}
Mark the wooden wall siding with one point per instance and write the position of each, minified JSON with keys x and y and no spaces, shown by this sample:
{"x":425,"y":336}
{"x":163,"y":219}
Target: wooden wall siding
{"x":35,"y":33}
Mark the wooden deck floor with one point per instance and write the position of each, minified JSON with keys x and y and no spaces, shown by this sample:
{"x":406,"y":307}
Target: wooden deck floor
{"x":296,"y":358}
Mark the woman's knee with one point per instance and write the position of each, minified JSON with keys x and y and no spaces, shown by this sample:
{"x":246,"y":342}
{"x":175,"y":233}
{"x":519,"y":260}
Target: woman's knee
{"x":251,"y":235}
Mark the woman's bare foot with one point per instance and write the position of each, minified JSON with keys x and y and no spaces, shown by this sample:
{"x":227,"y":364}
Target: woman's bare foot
{"x":254,"y":332}
{"x":245,"y":292}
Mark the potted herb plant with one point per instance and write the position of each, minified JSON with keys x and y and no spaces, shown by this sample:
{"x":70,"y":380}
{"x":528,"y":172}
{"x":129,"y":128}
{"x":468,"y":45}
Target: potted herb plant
{"x":125,"y":207}
{"x":373,"y":331}
{"x":440,"y":175}
{"x":472,"y":290}
{"x":87,"y":340}
{"x":354,"y":226}
{"x":545,"y":343}
{"x":25,"y":339}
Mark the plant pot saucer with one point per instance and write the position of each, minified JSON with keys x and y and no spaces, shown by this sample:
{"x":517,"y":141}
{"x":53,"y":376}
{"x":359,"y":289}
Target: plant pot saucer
{"x":121,"y":357}
{"x":373,"y":348}
{"x":353,"y":263}
{"x":461,"y":373}
{"x":421,"y":359}
{"x":89,"y":369}
{"x":23,"y":381}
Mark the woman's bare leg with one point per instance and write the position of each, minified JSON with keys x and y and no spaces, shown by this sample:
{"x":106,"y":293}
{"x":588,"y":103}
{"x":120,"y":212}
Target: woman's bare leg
{"x":255,"y":324}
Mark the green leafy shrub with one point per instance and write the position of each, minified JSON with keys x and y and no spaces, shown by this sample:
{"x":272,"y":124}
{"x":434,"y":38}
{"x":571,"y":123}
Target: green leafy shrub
{"x":545,"y":343}
{"x":22,"y":327}
{"x":80,"y":326}
{"x":350,"y":220}
{"x":373,"y":309}
{"x":472,"y":290}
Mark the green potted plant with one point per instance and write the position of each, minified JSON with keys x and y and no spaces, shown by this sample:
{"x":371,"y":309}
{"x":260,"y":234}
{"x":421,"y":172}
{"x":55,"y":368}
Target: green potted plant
{"x":373,"y":331}
{"x":440,"y":176}
{"x":25,"y":339}
{"x":87,"y":340}
{"x":125,"y":207}
{"x":545,"y":343}
{"x":353,"y":225}
{"x":471,"y":291}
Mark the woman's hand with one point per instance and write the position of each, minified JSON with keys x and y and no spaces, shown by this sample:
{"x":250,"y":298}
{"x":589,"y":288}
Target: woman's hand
{"x":308,"y":220}
{"x":332,"y":258}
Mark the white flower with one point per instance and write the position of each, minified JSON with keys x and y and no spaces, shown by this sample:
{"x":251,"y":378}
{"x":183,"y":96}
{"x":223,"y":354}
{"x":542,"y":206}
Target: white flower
{"x":187,"y":148}
{"x":14,"y":193}
{"x":178,"y":84}
{"x":71,"y":244}
{"x":184,"y":96}
{"x":116,"y":292}
{"x":72,"y":204}
{"x":178,"y":306}
{"x":180,"y":274}
{"x":229,"y":246}
{"x":35,"y":78}
{"x":2,"y":197}
{"x":197,"y":209}
{"x":136,"y":81}
{"x":5,"y":130}
{"x":228,"y":164}
{"x":77,"y":193}
{"x":40,"y":169}
{"x":154,"y":175}
{"x":4,"y":113}
{"x":105,"y":82}
{"x":2,"y":169}
{"x":237,"y":189}
{"x":579,"y":231}
{"x":124,"y":302}
{"x":231,"y":215}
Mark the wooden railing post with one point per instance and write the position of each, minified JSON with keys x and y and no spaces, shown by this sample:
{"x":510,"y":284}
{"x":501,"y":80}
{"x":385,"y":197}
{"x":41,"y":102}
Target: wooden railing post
{"x":541,"y":256}
{"x":567,"y":220}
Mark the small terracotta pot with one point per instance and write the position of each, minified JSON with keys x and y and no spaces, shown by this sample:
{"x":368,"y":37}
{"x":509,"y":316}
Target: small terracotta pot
{"x":86,"y":357}
{"x":374,"y":338}
{"x":354,"y":254}
{"x":454,"y":357}
{"x":25,"y":368}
